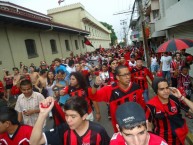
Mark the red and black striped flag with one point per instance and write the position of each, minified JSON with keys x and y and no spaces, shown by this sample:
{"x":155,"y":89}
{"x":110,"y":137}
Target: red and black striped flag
{"x":58,"y":114}
{"x":59,"y":1}
{"x":87,"y":42}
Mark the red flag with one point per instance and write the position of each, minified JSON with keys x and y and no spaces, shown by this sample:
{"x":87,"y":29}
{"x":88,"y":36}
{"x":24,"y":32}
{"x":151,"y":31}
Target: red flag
{"x":58,"y":114}
{"x":87,"y":42}
{"x":59,"y":1}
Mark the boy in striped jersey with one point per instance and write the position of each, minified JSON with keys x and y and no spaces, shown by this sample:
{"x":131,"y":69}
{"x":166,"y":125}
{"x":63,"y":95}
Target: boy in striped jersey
{"x":163,"y":113}
{"x":75,"y":131}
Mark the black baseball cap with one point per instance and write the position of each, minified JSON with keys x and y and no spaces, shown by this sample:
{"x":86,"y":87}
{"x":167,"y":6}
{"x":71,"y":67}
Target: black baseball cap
{"x":129,"y":113}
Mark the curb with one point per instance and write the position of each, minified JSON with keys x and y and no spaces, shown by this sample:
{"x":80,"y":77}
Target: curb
{"x":189,"y":138}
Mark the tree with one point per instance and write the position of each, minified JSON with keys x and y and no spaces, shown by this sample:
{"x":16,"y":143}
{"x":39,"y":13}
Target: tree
{"x":113,"y":35}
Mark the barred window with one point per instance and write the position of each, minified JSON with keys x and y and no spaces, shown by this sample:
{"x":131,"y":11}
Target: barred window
{"x":67,"y":45}
{"x":31,"y":48}
{"x":76,"y":44}
{"x":83,"y":44}
{"x":53,"y":46}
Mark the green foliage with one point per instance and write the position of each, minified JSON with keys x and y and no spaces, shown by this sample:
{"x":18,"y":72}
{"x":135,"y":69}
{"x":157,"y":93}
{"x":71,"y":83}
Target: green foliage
{"x":113,"y":35}
{"x":122,"y":44}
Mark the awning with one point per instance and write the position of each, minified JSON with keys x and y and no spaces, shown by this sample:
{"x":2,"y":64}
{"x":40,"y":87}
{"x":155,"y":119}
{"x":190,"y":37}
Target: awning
{"x":158,"y":34}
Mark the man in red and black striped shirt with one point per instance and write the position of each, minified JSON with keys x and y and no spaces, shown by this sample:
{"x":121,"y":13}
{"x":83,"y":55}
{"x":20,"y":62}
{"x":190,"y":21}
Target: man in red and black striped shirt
{"x":176,"y":66}
{"x":163,"y":113}
{"x":139,"y":75}
{"x":76,"y":131}
{"x":118,"y":93}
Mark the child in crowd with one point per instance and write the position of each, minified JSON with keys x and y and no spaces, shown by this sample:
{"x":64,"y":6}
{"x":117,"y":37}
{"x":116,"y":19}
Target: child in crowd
{"x":60,"y":83}
{"x":184,"y":82}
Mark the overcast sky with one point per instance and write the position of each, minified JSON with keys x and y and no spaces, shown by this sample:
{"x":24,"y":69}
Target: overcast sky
{"x":102,"y":10}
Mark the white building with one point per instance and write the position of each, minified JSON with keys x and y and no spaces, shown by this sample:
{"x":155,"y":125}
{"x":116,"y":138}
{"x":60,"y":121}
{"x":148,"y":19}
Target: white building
{"x":28,"y":36}
{"x":75,"y":15}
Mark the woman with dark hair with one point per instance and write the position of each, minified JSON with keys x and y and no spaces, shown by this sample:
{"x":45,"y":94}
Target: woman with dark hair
{"x":112,"y":66}
{"x":50,"y":82}
{"x":50,"y":85}
{"x":110,"y":77}
{"x":104,"y":74}
{"x":78,"y":87}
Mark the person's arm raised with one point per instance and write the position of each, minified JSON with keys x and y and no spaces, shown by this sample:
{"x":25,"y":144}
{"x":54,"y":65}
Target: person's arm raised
{"x":37,"y":136}
{"x":177,"y":94}
{"x":97,"y":83}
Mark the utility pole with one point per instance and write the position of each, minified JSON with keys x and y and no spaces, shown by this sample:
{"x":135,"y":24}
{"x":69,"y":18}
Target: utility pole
{"x":124,"y":23}
{"x":146,"y":49}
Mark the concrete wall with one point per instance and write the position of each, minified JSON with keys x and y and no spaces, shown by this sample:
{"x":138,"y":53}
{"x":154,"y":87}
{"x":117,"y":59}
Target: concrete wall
{"x":5,"y":51}
{"x":175,"y":13}
{"x":155,"y":5}
{"x":70,"y":17}
{"x":13,"y":49}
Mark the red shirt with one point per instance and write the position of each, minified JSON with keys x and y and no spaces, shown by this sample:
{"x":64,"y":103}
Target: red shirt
{"x":167,"y":120}
{"x":185,"y":82}
{"x":63,"y":135}
{"x":1,"y":87}
{"x":8,"y":80}
{"x":118,"y":139}
{"x":85,"y":73}
{"x":112,"y":78}
{"x":20,"y":137}
{"x":72,"y":91}
{"x":117,"y":96}
{"x":176,"y":66}
{"x":127,"y":56}
{"x":139,"y":76}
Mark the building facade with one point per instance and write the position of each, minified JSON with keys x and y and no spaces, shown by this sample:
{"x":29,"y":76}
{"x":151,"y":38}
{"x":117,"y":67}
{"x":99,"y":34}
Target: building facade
{"x":30,"y":37}
{"x":75,"y":15}
{"x":164,"y":20}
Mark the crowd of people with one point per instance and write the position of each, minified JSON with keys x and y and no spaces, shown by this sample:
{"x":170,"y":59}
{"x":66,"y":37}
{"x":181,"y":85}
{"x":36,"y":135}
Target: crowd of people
{"x":69,"y":91}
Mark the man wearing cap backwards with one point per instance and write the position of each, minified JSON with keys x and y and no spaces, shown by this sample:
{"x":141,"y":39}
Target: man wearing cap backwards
{"x":132,"y":127}
{"x":163,"y":113}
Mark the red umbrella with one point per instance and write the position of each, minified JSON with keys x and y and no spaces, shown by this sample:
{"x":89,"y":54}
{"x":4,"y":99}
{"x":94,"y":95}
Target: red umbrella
{"x":175,"y":44}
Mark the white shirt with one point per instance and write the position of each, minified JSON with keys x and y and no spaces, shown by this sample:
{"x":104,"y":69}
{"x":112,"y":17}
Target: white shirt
{"x":71,"y":69}
{"x":154,"y":61}
{"x":132,"y":64}
{"x":32,"y":102}
{"x":166,"y":60}
{"x":95,"y":60}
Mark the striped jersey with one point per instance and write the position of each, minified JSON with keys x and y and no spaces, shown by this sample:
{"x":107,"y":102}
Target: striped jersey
{"x":116,"y":96}
{"x":167,"y":119}
{"x":63,"y":135}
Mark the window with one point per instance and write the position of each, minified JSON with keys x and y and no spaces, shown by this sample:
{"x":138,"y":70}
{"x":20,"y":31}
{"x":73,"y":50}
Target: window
{"x":82,"y":43}
{"x":155,"y":14}
{"x":67,"y":45}
{"x":76,"y":44}
{"x":53,"y":46}
{"x":31,"y":48}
